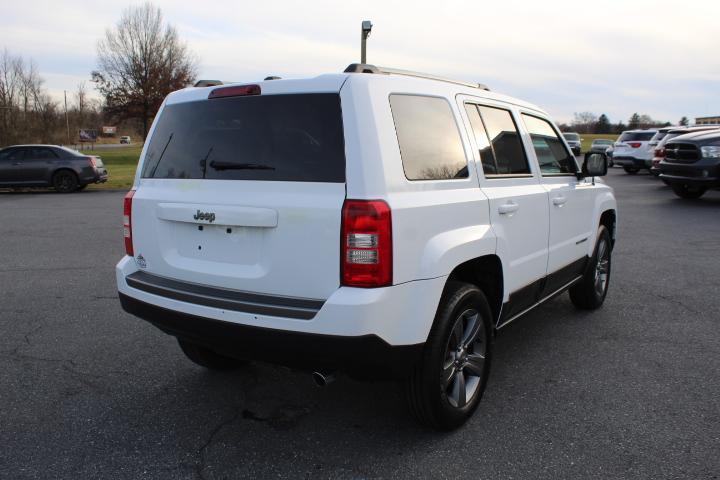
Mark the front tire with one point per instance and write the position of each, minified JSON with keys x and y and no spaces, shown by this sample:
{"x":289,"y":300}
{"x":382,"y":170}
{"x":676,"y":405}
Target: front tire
{"x":448,"y":383}
{"x":590,"y":292}
{"x":690,"y":192}
{"x":208,"y":358}
{"x":631,"y":170}
{"x":65,"y":181}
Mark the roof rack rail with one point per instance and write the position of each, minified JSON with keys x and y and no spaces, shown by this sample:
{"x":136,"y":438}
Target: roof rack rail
{"x":367,"y":68}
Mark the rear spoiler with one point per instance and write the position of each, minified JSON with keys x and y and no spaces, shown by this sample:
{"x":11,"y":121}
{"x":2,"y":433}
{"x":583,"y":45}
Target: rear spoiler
{"x":207,"y":83}
{"x":214,"y":83}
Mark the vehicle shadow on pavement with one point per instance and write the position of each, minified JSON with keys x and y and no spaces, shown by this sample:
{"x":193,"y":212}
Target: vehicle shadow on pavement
{"x":264,"y":420}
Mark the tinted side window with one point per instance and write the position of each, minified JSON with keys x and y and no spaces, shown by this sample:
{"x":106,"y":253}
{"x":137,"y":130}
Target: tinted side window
{"x":14,"y":154}
{"x":39,"y":153}
{"x":10,"y":154}
{"x":551,"y":153}
{"x":487,"y":157}
{"x":430,"y":144}
{"x":505,"y":140}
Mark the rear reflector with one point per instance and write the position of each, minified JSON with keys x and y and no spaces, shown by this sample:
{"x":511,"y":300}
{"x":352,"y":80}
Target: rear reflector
{"x":366,"y":244}
{"x":235,"y":91}
{"x":127,"y":223}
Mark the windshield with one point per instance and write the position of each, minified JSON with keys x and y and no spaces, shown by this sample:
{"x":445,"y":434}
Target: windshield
{"x":273,"y":137}
{"x":571,"y":136}
{"x":602,"y":142}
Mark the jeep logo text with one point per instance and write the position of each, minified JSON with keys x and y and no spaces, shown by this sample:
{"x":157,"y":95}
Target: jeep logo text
{"x":209,"y":216}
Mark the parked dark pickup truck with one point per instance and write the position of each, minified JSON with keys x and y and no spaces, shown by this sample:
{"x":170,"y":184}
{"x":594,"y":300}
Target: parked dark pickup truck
{"x":692,"y":163}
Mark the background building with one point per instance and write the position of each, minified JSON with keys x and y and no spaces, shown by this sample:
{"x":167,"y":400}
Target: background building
{"x":707,"y":120}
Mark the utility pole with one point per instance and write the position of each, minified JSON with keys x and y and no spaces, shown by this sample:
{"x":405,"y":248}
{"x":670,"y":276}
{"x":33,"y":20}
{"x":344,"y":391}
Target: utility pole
{"x":67,"y":122}
{"x":364,"y":34}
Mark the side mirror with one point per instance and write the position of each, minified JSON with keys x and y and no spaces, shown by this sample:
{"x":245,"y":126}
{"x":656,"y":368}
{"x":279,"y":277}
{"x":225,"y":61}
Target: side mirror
{"x":595,"y":165}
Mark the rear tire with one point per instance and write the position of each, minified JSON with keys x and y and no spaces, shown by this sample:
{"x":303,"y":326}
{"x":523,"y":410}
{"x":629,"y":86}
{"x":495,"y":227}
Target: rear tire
{"x":208,"y":358}
{"x":448,"y":383}
{"x":684,"y":190}
{"x":590,"y":292}
{"x":65,"y":181}
{"x":631,"y":170}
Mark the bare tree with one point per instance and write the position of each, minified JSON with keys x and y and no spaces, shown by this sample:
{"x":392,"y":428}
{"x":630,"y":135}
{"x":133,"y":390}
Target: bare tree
{"x":140,"y":61}
{"x":27,"y":114}
{"x":9,"y":86}
{"x":584,"y":122}
{"x":646,"y":121}
{"x":81,"y":100}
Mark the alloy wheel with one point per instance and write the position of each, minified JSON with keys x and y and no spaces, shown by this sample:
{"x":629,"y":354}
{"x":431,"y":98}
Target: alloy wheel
{"x":602,"y":267}
{"x":464,"y":360}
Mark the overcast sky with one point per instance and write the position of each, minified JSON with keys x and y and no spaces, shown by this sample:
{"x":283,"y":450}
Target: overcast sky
{"x":615,"y":57}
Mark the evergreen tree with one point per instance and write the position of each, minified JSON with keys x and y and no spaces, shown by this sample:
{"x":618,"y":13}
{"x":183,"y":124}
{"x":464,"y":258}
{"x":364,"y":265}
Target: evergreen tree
{"x":603,"y":124}
{"x":634,"y":121}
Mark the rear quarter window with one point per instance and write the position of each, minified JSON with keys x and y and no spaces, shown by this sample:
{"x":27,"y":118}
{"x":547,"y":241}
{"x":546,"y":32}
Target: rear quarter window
{"x":428,"y":136}
{"x":296,"y":138}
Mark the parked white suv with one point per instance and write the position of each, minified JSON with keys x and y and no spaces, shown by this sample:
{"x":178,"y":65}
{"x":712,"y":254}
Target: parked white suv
{"x":632,"y":150}
{"x":380,"y":224}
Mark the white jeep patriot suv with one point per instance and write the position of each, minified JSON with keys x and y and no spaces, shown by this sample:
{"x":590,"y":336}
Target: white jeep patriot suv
{"x":376,"y":222}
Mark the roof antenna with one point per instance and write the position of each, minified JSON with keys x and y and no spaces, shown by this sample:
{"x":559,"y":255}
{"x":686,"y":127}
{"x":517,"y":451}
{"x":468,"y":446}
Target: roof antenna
{"x":364,"y":34}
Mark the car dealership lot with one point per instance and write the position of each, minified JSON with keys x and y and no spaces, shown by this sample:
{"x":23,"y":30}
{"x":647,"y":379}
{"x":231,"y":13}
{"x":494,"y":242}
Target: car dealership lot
{"x":631,"y":390}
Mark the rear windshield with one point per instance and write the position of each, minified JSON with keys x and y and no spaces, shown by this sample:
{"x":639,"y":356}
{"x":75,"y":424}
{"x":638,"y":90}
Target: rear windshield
{"x":636,"y":136}
{"x":571,"y":136}
{"x":602,"y":142}
{"x":296,"y":138}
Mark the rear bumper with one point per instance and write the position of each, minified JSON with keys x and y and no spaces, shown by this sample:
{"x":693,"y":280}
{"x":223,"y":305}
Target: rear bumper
{"x":94,"y":178}
{"x":632,"y":162}
{"x":388,"y":325}
{"x":365,"y":356}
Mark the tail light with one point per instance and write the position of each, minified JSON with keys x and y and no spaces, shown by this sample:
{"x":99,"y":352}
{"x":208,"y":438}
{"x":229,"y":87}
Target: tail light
{"x":366,"y":244}
{"x":635,"y":144}
{"x":127,"y":223}
{"x":235,"y":91}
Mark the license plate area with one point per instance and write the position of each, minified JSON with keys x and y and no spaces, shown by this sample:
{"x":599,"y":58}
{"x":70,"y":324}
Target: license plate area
{"x":211,"y":243}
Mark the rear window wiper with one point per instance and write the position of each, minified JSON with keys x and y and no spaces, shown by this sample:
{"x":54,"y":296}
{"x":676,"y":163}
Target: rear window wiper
{"x":239,"y":166}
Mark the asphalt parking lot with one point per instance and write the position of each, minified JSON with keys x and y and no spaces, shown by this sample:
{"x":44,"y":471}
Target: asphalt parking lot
{"x":629,"y":391}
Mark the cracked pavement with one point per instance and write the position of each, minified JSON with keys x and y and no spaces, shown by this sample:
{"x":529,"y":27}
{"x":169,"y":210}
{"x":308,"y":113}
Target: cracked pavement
{"x":630,"y":391}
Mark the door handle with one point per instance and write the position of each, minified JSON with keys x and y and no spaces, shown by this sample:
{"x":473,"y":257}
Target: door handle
{"x":510,"y":207}
{"x":559,"y":200}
